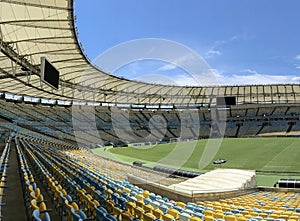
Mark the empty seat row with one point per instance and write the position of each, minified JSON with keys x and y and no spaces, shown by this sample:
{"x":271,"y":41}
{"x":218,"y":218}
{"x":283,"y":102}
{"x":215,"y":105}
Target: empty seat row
{"x":34,"y":199}
{"x":99,"y":193}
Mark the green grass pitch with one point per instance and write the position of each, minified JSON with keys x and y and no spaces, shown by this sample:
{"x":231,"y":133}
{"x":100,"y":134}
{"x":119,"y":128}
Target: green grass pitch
{"x":273,"y":158}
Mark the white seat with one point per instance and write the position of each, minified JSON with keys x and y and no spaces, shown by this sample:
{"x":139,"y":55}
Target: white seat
{"x":184,"y":216}
{"x":155,"y":204}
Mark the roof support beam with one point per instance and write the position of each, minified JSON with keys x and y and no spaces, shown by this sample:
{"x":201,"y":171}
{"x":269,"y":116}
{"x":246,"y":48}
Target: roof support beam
{"x":36,"y":5}
{"x":6,"y":49}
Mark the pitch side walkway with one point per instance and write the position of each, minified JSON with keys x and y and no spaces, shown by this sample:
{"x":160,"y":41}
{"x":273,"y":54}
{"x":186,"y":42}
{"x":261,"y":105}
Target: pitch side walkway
{"x":14,"y":208}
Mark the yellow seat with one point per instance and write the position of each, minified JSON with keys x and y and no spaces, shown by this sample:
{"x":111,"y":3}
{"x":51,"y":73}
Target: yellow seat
{"x":69,"y":207}
{"x":138,"y":212}
{"x":127,"y":190}
{"x":109,"y":193}
{"x":91,"y":207}
{"x":129,"y":207}
{"x":146,"y":193}
{"x":157,"y":213}
{"x":253,"y":214}
{"x":139,"y":197}
{"x":140,"y":203}
{"x":208,"y":218}
{"x":148,"y":208}
{"x":245,"y":212}
{"x":200,"y":203}
{"x":181,"y":204}
{"x":167,"y":217}
{"x":294,"y":217}
{"x":149,"y":217}
{"x":296,"y":214}
{"x":208,"y":212}
{"x":117,"y":212}
{"x":126,"y":216}
{"x":230,"y":218}
{"x":119,"y":192}
{"x":219,"y":215}
{"x":226,"y":209}
{"x":173,"y":212}
{"x":241,"y":218}
{"x":263,"y":215}
{"x":38,"y":197}
{"x":289,"y":213}
{"x":109,"y":206}
{"x":273,"y":215}
{"x":195,"y":218}
{"x":286,"y":217}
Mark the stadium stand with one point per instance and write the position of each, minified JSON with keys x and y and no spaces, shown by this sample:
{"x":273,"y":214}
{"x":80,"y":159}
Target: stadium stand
{"x":74,"y":184}
{"x":56,"y":122}
{"x":47,"y":170}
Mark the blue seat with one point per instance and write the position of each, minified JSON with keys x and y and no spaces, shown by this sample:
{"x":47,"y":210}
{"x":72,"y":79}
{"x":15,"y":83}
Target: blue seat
{"x":199,"y":209}
{"x":69,"y":198}
{"x":152,"y":196}
{"x":78,"y":215}
{"x":178,"y":208}
{"x":133,"y":193}
{"x":147,"y":201}
{"x":200,"y":215}
{"x":101,"y":213}
{"x":241,"y":209}
{"x":190,"y":207}
{"x":62,"y":210}
{"x":165,"y":199}
{"x":122,"y":203}
{"x":257,"y":210}
{"x":131,"y":199}
{"x":100,"y":198}
{"x":125,"y":195}
{"x":36,"y":216}
{"x":115,"y":198}
{"x":163,"y":208}
{"x":110,"y":218}
{"x":209,"y":208}
{"x":235,"y":211}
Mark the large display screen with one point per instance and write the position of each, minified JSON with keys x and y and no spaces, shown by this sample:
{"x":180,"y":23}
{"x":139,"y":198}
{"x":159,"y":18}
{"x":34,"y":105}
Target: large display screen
{"x":49,"y":74}
{"x":226,"y":101}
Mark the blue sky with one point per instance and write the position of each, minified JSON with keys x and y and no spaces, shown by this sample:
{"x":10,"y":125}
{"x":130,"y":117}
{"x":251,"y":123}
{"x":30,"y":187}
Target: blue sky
{"x":243,"y":41}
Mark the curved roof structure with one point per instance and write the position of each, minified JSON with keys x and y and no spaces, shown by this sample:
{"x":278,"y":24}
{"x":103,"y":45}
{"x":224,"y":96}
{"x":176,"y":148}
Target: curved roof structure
{"x":31,"y":29}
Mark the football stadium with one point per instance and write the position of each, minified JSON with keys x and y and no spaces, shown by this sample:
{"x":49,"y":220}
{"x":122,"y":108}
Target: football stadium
{"x":78,"y":143}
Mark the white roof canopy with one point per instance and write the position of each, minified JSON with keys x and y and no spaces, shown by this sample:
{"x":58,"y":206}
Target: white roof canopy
{"x":31,"y":29}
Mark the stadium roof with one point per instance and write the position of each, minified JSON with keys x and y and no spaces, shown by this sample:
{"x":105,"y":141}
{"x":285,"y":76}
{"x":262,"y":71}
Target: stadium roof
{"x":31,"y":29}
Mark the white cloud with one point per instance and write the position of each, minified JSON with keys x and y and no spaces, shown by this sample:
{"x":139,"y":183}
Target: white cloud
{"x":178,"y":62}
{"x":179,"y":79}
{"x":249,"y":71}
{"x":252,"y":78}
{"x":167,"y":67}
{"x":297,"y":57}
{"x":298,"y":67}
{"x":212,"y":53}
{"x":257,"y":78}
{"x":185,"y":80}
